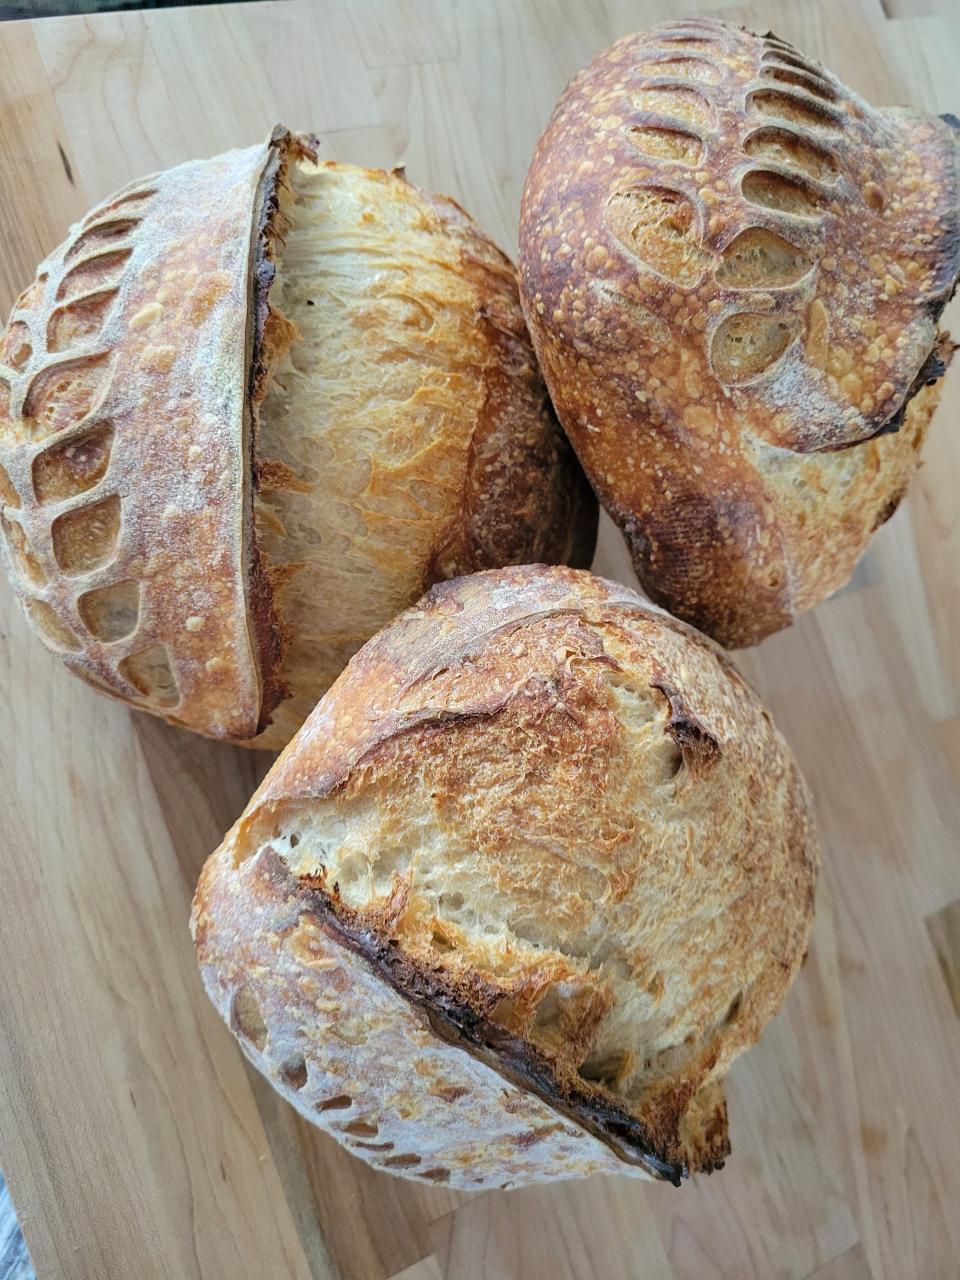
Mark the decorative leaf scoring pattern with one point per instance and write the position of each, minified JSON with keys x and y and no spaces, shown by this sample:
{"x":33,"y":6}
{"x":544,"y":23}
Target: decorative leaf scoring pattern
{"x":111,"y":613}
{"x":86,"y":538}
{"x":59,"y":397}
{"x":27,"y":565}
{"x":799,"y":79}
{"x":246,"y":1021}
{"x":689,"y":41}
{"x":745,"y":345}
{"x":675,"y":102}
{"x":781,"y":146}
{"x":760,"y":259}
{"x":666,"y":144}
{"x":150,"y":673}
{"x":62,"y":394}
{"x":784,"y":195}
{"x":687,"y":68}
{"x":663,"y":227}
{"x":15,"y":347}
{"x":32,"y":296}
{"x":120,"y":201}
{"x":79,"y":321}
{"x":98,"y":272}
{"x":99,"y":236}
{"x":64,"y":470}
{"x":8,"y":494}
{"x":792,"y":107}
{"x":780,"y":52}
{"x":53,"y":630}
{"x":658,"y":226}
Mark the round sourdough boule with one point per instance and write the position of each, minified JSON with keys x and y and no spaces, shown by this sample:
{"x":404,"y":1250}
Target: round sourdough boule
{"x":533,"y":873}
{"x":733,"y":268}
{"x":249,"y":410}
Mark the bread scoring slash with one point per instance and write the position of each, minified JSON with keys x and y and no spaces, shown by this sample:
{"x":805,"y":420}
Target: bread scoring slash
{"x":733,"y":268}
{"x":534,"y":872}
{"x":251,"y":408}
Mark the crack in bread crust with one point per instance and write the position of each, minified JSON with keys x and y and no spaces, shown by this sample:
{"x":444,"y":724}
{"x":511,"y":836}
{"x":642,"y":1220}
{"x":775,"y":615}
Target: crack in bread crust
{"x":404,"y":434}
{"x":557,"y":825}
{"x":460,"y":1022}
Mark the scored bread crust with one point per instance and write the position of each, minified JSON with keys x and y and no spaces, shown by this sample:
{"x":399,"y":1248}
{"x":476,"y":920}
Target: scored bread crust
{"x":433,"y":1048}
{"x":733,"y":268}
{"x":126,"y":439}
{"x":144,"y":503}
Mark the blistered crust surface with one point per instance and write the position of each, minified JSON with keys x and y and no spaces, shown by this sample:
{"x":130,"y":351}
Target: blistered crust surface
{"x":733,"y":269}
{"x":405,"y":435}
{"x":559,"y":826}
{"x":122,"y":443}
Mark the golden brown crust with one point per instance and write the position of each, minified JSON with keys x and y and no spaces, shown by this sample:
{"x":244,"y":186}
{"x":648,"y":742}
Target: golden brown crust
{"x":525,"y":499}
{"x":406,"y":435}
{"x":127,"y":442}
{"x":733,"y":268}
{"x":555,"y":822}
{"x":133,"y":375}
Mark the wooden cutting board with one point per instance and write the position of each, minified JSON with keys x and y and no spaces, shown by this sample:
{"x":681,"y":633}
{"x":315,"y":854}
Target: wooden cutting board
{"x":136,"y":1143}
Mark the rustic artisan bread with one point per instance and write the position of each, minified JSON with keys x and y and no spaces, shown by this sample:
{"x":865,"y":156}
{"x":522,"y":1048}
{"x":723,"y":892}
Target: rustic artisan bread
{"x":733,"y":268}
{"x":533,"y":873}
{"x":251,"y":408}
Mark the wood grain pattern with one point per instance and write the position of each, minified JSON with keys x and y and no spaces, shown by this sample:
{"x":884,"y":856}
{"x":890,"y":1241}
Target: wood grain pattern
{"x":134,"y":1140}
{"x":944,"y":926}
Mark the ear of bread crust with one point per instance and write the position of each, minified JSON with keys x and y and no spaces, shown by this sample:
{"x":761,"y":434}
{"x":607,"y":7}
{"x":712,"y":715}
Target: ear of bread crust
{"x":128,"y":532}
{"x":733,"y":269}
{"x":487,"y":815}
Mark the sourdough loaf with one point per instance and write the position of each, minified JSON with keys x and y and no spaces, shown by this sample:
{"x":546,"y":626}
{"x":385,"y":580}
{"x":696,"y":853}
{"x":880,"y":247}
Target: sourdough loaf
{"x":535,"y":870}
{"x":733,"y":268}
{"x":251,"y":408}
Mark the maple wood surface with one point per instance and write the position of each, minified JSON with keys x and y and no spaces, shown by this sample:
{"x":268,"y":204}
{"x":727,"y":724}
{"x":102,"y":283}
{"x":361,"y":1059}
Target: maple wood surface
{"x":135,"y":1141}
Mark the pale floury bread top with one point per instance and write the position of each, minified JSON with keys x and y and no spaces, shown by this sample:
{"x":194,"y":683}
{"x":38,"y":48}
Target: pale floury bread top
{"x":251,"y":408}
{"x":733,"y":268}
{"x":533,"y":873}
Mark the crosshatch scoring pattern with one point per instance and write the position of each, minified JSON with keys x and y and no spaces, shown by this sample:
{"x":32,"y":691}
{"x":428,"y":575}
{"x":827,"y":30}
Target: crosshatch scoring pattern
{"x":133,"y":1140}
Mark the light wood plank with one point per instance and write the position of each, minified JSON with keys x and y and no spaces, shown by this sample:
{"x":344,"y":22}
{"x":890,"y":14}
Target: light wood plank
{"x":851,"y":1265}
{"x":405,"y":33}
{"x":427,"y":1269}
{"x":553,"y":1233}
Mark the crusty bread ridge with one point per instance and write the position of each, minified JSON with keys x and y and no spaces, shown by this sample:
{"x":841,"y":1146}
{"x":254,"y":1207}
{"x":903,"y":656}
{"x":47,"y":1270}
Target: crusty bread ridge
{"x":733,"y":268}
{"x":533,"y":873}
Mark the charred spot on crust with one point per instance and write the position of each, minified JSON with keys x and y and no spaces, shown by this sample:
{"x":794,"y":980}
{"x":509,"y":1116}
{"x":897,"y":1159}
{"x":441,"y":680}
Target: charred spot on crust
{"x":698,"y":746}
